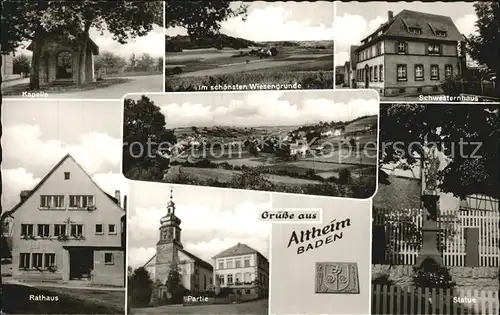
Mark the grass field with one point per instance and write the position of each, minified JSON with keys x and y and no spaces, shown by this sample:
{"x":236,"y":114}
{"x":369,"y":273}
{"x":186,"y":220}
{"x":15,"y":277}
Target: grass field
{"x":312,"y":68}
{"x":16,"y":300}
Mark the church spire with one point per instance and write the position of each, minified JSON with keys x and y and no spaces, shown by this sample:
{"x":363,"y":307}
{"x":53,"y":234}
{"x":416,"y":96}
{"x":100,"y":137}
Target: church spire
{"x":171,"y":203}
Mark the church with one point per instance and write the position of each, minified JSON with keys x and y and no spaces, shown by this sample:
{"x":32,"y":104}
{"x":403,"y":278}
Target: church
{"x":197,"y":274}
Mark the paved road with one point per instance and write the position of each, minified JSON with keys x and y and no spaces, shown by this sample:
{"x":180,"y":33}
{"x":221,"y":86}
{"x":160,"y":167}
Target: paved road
{"x":259,"y":307}
{"x":138,"y":84}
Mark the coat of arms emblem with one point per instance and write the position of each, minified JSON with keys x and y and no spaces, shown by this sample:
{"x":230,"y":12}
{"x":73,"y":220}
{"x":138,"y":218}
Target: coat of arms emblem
{"x":337,"y":277}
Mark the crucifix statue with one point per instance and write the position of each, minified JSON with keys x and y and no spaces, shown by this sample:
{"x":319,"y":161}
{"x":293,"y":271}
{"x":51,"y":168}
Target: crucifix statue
{"x":430,"y":165}
{"x":68,"y":223}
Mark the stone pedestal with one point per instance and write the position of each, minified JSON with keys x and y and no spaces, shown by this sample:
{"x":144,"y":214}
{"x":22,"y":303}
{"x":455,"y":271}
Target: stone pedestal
{"x":430,"y":231}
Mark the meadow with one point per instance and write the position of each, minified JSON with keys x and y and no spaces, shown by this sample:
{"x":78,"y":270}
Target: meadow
{"x":336,"y":170}
{"x":203,"y":69}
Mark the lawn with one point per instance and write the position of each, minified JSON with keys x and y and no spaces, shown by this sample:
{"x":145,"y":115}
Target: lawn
{"x":259,"y":307}
{"x":16,"y":300}
{"x":310,"y":67}
{"x":223,"y":175}
{"x":18,"y":89}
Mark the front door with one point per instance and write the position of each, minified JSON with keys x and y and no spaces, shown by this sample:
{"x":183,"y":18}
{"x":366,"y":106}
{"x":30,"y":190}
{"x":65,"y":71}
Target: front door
{"x":64,"y":65}
{"x":81,"y":263}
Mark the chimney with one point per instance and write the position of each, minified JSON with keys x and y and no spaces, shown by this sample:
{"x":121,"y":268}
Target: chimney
{"x":118,"y":197}
{"x":125,"y":202}
{"x":24,"y":194}
{"x":390,"y":15}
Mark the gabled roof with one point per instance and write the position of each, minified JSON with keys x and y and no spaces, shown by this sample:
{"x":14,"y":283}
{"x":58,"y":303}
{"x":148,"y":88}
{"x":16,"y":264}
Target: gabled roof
{"x":93,"y":47}
{"x":196,"y":259}
{"x":429,"y":24}
{"x":44,"y":179}
{"x":237,"y":250}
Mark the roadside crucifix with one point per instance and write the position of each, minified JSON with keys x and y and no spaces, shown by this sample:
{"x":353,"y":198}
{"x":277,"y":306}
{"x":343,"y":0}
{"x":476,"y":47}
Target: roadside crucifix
{"x":429,"y":168}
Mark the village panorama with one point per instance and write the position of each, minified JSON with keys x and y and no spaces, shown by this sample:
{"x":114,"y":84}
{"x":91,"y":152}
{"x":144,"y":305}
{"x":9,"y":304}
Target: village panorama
{"x":237,"y":144}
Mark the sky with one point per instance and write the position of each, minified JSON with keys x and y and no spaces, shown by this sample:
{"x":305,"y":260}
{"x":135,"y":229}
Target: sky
{"x":278,"y":21}
{"x":362,"y":19}
{"x":39,"y":133}
{"x":153,"y":44}
{"x":213,"y":219}
{"x":263,"y":108}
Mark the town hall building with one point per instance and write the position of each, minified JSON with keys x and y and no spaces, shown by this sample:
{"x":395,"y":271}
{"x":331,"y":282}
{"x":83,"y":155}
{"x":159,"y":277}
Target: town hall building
{"x":67,"y":229}
{"x":411,"y":53}
{"x":196,"y":274}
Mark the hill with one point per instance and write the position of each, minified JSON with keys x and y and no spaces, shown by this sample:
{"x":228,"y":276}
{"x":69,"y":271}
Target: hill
{"x":181,"y":42}
{"x":361,"y":123}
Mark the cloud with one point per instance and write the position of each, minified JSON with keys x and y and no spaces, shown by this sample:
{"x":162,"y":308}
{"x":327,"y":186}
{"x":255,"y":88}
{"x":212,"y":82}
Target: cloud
{"x":95,"y":151}
{"x":205,"y":231}
{"x":358,"y":28}
{"x":270,"y":24}
{"x":265,"y":108}
{"x":13,"y":182}
{"x":153,"y":43}
{"x":110,"y":182}
{"x":466,"y":24}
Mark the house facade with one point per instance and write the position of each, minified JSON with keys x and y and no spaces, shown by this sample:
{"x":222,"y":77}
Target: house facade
{"x":60,"y":60}
{"x":196,"y":274}
{"x":67,"y":229}
{"x":411,"y":53}
{"x":242,"y":269}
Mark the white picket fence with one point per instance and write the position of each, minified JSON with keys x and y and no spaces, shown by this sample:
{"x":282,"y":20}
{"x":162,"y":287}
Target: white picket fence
{"x":453,"y":224}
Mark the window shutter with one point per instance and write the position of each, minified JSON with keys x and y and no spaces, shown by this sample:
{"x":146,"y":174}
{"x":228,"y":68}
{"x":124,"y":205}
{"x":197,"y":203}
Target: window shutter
{"x":397,"y":47}
{"x":406,"y":47}
{"x":426,"y":48}
{"x":440,"y":49}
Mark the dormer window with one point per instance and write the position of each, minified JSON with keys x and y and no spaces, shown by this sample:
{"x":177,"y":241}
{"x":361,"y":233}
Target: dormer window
{"x":415,"y":30}
{"x":441,"y":33}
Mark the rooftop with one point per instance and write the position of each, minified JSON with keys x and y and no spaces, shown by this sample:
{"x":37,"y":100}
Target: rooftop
{"x":237,"y":250}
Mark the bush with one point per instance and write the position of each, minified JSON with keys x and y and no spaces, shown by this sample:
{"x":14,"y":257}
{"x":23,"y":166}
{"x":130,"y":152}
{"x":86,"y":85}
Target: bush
{"x":177,"y":70}
{"x":455,"y":86}
{"x":432,"y":275}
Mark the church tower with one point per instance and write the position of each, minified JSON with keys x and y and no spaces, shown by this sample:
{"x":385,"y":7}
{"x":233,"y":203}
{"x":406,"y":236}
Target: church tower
{"x":169,"y":243}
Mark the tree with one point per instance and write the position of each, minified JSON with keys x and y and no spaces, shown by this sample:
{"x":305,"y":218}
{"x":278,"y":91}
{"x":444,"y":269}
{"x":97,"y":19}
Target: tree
{"x":159,"y":64}
{"x":21,"y":64}
{"x":474,"y":167}
{"x":146,"y":62}
{"x":484,"y":46}
{"x":145,"y":140}
{"x":23,"y":21}
{"x":133,"y":62}
{"x":109,"y":62}
{"x":174,"y":284}
{"x":140,"y":287}
{"x":123,"y":19}
{"x":458,"y":128}
{"x":201,"y":18}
